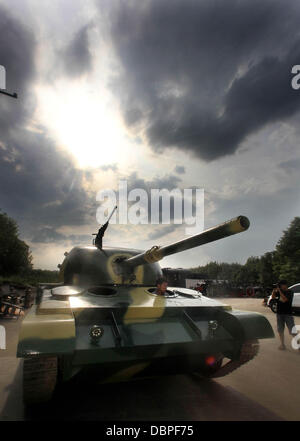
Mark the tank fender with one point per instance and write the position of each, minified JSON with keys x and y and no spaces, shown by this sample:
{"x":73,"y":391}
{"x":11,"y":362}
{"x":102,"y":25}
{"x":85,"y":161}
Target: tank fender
{"x":246,"y":325}
{"x":46,"y":334}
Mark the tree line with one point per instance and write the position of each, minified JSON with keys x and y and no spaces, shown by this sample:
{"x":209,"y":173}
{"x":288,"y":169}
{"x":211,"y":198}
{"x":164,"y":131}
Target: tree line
{"x":16,"y":258}
{"x":265,"y":270}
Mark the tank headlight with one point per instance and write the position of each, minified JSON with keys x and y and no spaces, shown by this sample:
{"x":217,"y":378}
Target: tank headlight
{"x":96,"y":333}
{"x":213,"y":325}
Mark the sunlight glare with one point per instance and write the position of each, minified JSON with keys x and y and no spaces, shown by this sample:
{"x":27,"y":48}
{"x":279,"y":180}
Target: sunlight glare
{"x":85,"y":123}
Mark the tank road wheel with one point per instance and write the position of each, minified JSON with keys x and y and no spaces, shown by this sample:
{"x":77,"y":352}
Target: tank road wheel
{"x":39,"y":379}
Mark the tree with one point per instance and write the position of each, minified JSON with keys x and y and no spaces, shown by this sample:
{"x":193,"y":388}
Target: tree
{"x":228,"y":271}
{"x":252,"y":269}
{"x":241,"y":277}
{"x":219,"y":271}
{"x":211,"y":269}
{"x":15,"y":256}
{"x":286,"y":263}
{"x":267,"y":277}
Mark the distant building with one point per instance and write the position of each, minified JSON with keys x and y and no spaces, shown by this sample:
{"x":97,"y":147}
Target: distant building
{"x":186,"y":278}
{"x":183,"y":278}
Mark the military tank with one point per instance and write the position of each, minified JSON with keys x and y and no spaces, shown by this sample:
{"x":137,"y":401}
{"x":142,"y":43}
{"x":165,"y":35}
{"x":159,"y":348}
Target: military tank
{"x":105,"y":321}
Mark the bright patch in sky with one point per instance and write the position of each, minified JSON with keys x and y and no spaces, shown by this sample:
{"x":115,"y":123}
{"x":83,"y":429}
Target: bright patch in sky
{"x":85,"y":122}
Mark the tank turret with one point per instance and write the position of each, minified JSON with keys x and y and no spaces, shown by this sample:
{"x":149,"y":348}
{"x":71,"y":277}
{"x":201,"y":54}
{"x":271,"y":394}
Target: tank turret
{"x":90,"y":266}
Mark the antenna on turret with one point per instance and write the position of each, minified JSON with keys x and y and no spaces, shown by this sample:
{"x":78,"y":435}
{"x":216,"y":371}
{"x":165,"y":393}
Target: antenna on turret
{"x":111,"y":214}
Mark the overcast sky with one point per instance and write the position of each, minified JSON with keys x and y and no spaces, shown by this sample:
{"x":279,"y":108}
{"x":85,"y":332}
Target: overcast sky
{"x":161,"y":93}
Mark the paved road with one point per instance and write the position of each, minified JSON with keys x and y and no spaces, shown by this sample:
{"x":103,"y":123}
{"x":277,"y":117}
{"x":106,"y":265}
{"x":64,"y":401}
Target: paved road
{"x":268,"y":388}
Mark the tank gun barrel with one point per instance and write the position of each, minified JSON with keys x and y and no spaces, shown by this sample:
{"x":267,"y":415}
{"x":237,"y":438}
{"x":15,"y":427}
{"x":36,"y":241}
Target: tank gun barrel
{"x":233,"y":226}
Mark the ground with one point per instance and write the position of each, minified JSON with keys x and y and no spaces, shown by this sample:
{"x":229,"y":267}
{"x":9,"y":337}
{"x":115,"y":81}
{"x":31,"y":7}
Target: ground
{"x":267,"y":388}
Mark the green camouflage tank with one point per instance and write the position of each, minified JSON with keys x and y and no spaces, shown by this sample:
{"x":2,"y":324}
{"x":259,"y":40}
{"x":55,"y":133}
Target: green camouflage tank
{"x":105,"y":323}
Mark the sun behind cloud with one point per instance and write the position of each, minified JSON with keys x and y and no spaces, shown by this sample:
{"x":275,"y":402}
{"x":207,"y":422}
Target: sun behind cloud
{"x":83,"y":119}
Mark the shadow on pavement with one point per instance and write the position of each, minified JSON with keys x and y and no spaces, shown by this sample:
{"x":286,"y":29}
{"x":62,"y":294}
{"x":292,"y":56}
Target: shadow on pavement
{"x":178,"y":397}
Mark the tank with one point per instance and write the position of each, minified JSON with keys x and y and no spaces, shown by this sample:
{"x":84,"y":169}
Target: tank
{"x":105,"y":322}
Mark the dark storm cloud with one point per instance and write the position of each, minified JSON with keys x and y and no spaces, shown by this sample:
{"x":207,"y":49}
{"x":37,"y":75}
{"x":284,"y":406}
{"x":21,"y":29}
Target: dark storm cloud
{"x":161,"y":231}
{"x":179,"y":169}
{"x":17,"y":55}
{"x":291,"y":166}
{"x":159,"y":182}
{"x":47,"y":235}
{"x":50,"y":235}
{"x":77,"y":57}
{"x":39,"y":184}
{"x":168,"y":182}
{"x":202,"y":75}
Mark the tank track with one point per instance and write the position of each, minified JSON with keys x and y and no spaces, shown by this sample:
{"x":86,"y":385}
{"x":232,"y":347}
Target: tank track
{"x":39,"y":379}
{"x":249,"y":350}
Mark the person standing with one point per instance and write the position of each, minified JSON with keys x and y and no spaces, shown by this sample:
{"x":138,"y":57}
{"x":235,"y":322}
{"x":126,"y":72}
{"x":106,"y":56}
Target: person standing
{"x":284,"y":297}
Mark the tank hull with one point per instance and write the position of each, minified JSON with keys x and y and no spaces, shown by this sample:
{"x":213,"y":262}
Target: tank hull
{"x":142,"y":334}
